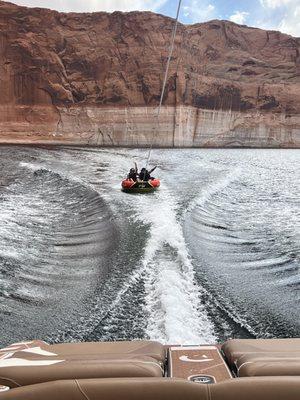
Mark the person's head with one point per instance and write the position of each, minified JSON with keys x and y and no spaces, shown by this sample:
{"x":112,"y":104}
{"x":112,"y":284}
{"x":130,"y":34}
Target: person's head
{"x":143,"y":170}
{"x":132,"y":170}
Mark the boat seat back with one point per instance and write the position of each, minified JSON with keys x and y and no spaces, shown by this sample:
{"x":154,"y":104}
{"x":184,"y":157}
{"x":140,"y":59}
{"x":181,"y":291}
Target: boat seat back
{"x":235,"y":348}
{"x":268,"y":364}
{"x":257,"y":388}
{"x":81,"y":361}
{"x":266,"y":357}
{"x":287,"y":388}
{"x":136,"y":347}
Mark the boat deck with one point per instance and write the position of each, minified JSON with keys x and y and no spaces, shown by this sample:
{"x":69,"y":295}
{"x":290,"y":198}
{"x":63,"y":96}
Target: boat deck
{"x":203,"y":364}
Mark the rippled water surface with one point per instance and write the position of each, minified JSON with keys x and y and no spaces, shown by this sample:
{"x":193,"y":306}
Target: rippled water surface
{"x":213,"y":254}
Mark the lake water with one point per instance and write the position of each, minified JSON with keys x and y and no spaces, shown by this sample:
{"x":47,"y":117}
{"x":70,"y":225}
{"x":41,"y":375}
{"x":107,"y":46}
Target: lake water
{"x":213,"y":254}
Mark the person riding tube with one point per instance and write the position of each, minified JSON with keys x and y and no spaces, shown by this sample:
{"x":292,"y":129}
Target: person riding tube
{"x":132,"y":174}
{"x":145,"y":175}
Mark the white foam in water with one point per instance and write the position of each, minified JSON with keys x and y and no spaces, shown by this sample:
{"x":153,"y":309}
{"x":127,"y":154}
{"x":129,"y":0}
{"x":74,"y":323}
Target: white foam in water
{"x":64,"y":174}
{"x":32,"y":166}
{"x":173,"y":307}
{"x":175,"y":313}
{"x":214,"y":188}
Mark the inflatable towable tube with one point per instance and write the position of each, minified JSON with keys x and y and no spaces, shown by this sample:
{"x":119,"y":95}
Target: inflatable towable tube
{"x":131,"y":186}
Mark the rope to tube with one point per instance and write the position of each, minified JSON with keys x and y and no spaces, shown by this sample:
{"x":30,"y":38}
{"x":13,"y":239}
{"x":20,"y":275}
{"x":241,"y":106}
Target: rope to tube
{"x":165,"y":79}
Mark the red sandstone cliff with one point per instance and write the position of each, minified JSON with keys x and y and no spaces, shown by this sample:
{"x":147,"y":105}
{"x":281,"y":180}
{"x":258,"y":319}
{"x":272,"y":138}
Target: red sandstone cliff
{"x":55,"y":63}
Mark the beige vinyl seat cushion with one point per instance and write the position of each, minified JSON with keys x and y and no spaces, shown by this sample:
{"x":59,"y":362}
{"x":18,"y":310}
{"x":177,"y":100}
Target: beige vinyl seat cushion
{"x":262,"y":364}
{"x":266,"y":357}
{"x":281,"y":388}
{"x":136,"y":347}
{"x":81,"y":361}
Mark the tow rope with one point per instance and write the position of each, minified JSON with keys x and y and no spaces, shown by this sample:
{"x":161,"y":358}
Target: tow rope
{"x":165,"y":80}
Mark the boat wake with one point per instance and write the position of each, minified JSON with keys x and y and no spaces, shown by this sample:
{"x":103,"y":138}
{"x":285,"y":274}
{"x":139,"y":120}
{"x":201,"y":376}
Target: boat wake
{"x":55,"y":236}
{"x":172,"y":296}
{"x":159,"y":294}
{"x":212,"y":256}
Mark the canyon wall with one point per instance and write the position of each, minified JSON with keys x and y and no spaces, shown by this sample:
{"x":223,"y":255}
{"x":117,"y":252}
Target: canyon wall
{"x":181,"y":126}
{"x":96,"y":78}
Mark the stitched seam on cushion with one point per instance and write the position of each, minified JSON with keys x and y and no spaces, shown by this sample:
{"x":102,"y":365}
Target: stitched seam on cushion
{"x":148,"y":362}
{"x":81,"y":390}
{"x":241,"y":367}
{"x":145,"y":369}
{"x":10,"y":380}
{"x":208,"y":392}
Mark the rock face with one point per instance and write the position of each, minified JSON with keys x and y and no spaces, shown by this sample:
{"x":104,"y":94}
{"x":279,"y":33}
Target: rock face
{"x":97,"y":78}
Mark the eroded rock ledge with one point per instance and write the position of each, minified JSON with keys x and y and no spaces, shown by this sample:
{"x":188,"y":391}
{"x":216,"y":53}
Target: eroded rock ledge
{"x":96,"y":79}
{"x":181,"y":126}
